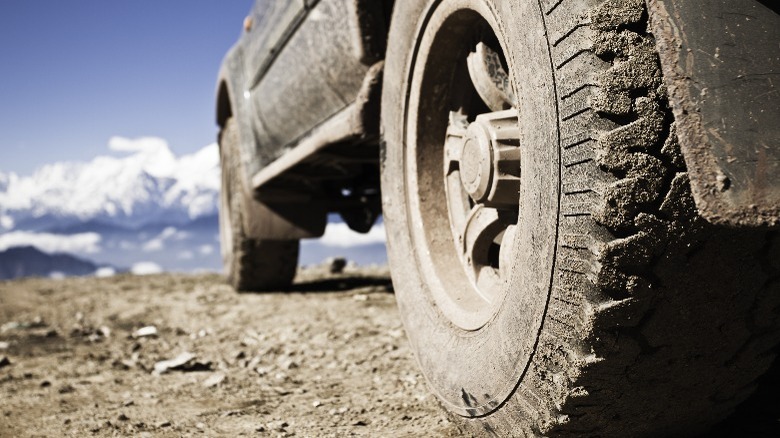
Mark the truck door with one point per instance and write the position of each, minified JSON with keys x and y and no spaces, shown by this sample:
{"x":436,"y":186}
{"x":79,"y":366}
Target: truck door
{"x":272,"y":23}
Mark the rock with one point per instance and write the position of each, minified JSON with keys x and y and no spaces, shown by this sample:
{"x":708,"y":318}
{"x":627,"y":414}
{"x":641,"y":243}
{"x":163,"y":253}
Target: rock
{"x":37,"y":322}
{"x":66,"y":389}
{"x":122,"y":417}
{"x":4,"y":345}
{"x":101,"y":333}
{"x":214,"y":380}
{"x":13,"y":325}
{"x":281,"y":391}
{"x":148,"y":331}
{"x":279,"y":425}
{"x":254,"y":362}
{"x":163,"y":424}
{"x":178,"y":362}
{"x":289,"y":364}
{"x":4,"y":362}
{"x":44,"y":333}
{"x":340,"y":411}
{"x":231,"y":413}
{"x":123,"y":364}
{"x":336,"y":265}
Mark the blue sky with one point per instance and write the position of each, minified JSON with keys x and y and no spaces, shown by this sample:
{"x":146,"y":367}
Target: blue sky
{"x":75,"y":73}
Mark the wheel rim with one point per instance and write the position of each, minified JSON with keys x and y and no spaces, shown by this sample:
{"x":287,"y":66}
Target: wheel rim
{"x":464,"y":159}
{"x":472,"y":367}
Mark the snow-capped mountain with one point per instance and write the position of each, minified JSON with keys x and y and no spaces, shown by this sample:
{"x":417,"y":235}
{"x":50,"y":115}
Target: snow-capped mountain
{"x":150,"y":185}
{"x":144,"y":209}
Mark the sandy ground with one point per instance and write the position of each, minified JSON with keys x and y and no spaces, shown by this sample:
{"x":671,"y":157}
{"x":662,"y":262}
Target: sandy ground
{"x":328,"y":359}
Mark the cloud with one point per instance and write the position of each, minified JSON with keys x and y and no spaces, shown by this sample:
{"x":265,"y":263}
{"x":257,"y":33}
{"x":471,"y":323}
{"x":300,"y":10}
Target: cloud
{"x":144,"y":145}
{"x":205,"y":250}
{"x":155,"y":244}
{"x":158,"y":243}
{"x":6,"y":222}
{"x":52,"y":243}
{"x":105,"y":272}
{"x":146,"y":268}
{"x":339,"y":235}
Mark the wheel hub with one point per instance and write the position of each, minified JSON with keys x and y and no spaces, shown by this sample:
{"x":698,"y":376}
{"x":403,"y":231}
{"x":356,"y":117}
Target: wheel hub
{"x":476,"y":164}
{"x":490,"y":160}
{"x":482,"y":173}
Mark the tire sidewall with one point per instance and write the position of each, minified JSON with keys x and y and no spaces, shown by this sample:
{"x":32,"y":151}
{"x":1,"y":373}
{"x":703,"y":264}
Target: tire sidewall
{"x":474,"y":372}
{"x":227,"y":212}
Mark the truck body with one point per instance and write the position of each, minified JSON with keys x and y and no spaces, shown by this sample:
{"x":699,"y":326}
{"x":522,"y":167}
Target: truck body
{"x":581,"y":197}
{"x":306,"y":76}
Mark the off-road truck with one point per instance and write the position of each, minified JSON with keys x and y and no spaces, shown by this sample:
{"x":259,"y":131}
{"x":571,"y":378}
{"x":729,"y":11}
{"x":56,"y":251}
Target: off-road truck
{"x":581,"y":197}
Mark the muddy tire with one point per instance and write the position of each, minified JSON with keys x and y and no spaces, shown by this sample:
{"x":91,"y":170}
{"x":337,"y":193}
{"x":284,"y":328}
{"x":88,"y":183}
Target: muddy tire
{"x":250,"y":264}
{"x":596,"y":302}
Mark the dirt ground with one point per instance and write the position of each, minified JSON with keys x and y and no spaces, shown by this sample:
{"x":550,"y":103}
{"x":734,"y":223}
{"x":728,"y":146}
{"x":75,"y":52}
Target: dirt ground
{"x":328,"y":359}
{"x":79,"y":357}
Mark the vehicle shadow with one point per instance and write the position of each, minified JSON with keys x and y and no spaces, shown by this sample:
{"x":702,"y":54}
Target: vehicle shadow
{"x":343,"y":283}
{"x":759,"y":415}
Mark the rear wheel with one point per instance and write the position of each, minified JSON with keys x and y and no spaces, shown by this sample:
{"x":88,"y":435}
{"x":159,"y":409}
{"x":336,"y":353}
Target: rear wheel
{"x":250,"y":264}
{"x":549,"y":265}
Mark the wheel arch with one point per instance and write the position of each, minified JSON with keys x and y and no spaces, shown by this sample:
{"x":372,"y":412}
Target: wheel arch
{"x":224,"y":105}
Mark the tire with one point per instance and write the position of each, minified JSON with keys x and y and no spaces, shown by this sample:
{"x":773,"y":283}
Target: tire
{"x":616,"y":311}
{"x":250,"y":264}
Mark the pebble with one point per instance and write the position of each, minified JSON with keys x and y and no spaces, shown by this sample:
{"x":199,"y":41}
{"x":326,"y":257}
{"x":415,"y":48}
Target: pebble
{"x":66,"y":389}
{"x":290,"y":364}
{"x":214,"y":380}
{"x":148,"y":331}
{"x":179,"y":361}
{"x":336,"y":265}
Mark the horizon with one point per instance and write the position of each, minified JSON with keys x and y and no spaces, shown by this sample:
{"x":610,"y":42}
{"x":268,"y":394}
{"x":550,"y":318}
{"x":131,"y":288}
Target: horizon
{"x":86,"y":91}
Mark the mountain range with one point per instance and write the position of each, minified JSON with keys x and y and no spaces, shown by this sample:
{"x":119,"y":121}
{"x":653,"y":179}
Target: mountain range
{"x":28,"y":261}
{"x":140,"y":207}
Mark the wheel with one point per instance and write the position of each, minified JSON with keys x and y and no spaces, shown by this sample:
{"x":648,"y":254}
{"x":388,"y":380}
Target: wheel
{"x":250,"y":264}
{"x":550,"y":268}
